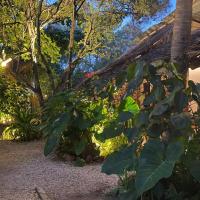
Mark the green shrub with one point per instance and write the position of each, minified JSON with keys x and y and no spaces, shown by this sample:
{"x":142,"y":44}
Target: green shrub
{"x":162,"y":153}
{"x":67,"y":121}
{"x":12,"y":95}
{"x":24,"y":126}
{"x":16,"y":110}
{"x":110,"y":145}
{"x":109,"y":116}
{"x":71,"y":119}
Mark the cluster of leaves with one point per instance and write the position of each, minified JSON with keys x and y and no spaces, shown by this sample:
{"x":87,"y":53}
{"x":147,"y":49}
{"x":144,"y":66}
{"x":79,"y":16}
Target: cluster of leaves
{"x":68,"y":118}
{"x":60,"y":33}
{"x":72,"y":119}
{"x":12,"y":95}
{"x":110,"y":114}
{"x":24,"y":126}
{"x":136,"y":8}
{"x":15,"y":103}
{"x":162,"y":153}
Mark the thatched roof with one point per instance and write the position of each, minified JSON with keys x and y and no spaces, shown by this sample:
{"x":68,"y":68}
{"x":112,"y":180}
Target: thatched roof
{"x":196,"y":11}
{"x":156,"y":44}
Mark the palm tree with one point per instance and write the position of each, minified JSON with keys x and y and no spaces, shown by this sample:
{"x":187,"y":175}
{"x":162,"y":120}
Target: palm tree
{"x":181,"y":35}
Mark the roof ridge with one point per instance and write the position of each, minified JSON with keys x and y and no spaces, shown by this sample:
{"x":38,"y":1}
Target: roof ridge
{"x":167,"y":20}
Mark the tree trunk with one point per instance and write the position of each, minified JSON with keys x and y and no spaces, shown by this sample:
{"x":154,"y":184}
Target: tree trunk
{"x":44,"y":61}
{"x":66,"y":77}
{"x":71,"y":42}
{"x":32,"y":31}
{"x":36,"y":80}
{"x":181,"y":35}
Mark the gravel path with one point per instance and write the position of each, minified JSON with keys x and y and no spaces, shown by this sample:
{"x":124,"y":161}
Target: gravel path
{"x":23,"y":167}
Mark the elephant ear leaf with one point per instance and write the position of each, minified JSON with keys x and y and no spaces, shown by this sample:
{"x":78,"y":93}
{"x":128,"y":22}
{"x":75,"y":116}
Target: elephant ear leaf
{"x":137,"y":78}
{"x":57,"y":128}
{"x":194,"y":168}
{"x":119,"y":162}
{"x":156,"y":162}
{"x":129,"y":105}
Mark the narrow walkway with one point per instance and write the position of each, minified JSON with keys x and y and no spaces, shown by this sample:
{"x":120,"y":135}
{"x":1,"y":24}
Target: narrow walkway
{"x":23,"y":167}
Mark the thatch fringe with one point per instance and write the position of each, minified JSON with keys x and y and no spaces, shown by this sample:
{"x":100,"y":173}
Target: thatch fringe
{"x":153,"y":46}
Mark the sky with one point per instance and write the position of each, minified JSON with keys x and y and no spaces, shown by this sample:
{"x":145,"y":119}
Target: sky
{"x":155,"y":20}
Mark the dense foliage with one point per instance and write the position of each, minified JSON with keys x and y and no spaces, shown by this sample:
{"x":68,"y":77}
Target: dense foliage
{"x":17,"y":110}
{"x":24,"y":125}
{"x":162,"y":153}
{"x":12,"y":94}
{"x":71,"y":120}
{"x":67,"y":120}
{"x":48,"y":48}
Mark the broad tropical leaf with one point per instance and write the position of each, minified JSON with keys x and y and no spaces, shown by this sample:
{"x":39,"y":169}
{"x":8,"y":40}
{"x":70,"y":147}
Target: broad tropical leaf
{"x":195,"y":169}
{"x":119,"y":162}
{"x":80,"y":146}
{"x":181,"y":121}
{"x":59,"y":125}
{"x":132,"y":133}
{"x":129,"y":105}
{"x":125,"y":116}
{"x":156,"y":163}
{"x":110,"y":132}
{"x":138,"y":77}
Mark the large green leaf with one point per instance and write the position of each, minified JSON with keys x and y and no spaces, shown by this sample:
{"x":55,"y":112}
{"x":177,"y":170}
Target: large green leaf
{"x":79,"y":146}
{"x":83,"y":124}
{"x":131,"y":71}
{"x":129,"y":105}
{"x":155,"y":129}
{"x":58,"y":127}
{"x":138,"y":77}
{"x":119,"y":162}
{"x":181,"y":101}
{"x":181,"y":121}
{"x":51,"y":143}
{"x":194,"y":168}
{"x":142,"y":118}
{"x":130,"y":194}
{"x":110,"y":132}
{"x":149,"y":99}
{"x":163,"y":106}
{"x":159,"y":109}
{"x":124,"y":116}
{"x":156,"y":163}
{"x":156,"y":95}
{"x":132,"y":133}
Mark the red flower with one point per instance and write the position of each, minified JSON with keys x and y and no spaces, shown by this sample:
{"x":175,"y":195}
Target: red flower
{"x":89,"y":74}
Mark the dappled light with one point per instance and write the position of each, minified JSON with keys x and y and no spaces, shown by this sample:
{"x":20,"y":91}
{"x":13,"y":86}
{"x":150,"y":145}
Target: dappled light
{"x":99,"y":100}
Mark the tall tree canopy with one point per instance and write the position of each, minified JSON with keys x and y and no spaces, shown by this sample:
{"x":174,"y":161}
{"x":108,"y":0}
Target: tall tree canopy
{"x":37,"y":36}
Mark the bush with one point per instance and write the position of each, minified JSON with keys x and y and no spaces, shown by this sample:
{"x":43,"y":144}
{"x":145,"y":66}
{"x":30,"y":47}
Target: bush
{"x":12,"y":95}
{"x":24,"y":126}
{"x":67,"y":121}
{"x":16,"y":111}
{"x":73,"y":119}
{"x":110,"y":116}
{"x":162,"y":154}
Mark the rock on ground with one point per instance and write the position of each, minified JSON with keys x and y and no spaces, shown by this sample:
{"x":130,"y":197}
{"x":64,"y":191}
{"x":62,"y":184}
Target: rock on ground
{"x":24,"y":167}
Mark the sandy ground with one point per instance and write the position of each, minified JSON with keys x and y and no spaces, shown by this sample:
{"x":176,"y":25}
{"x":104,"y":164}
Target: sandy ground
{"x":23,"y":167}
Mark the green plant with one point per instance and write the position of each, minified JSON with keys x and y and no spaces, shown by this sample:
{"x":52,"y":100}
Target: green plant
{"x":12,"y":95}
{"x":163,"y":150}
{"x":24,"y":126}
{"x":68,"y":118}
{"x":110,"y":116}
